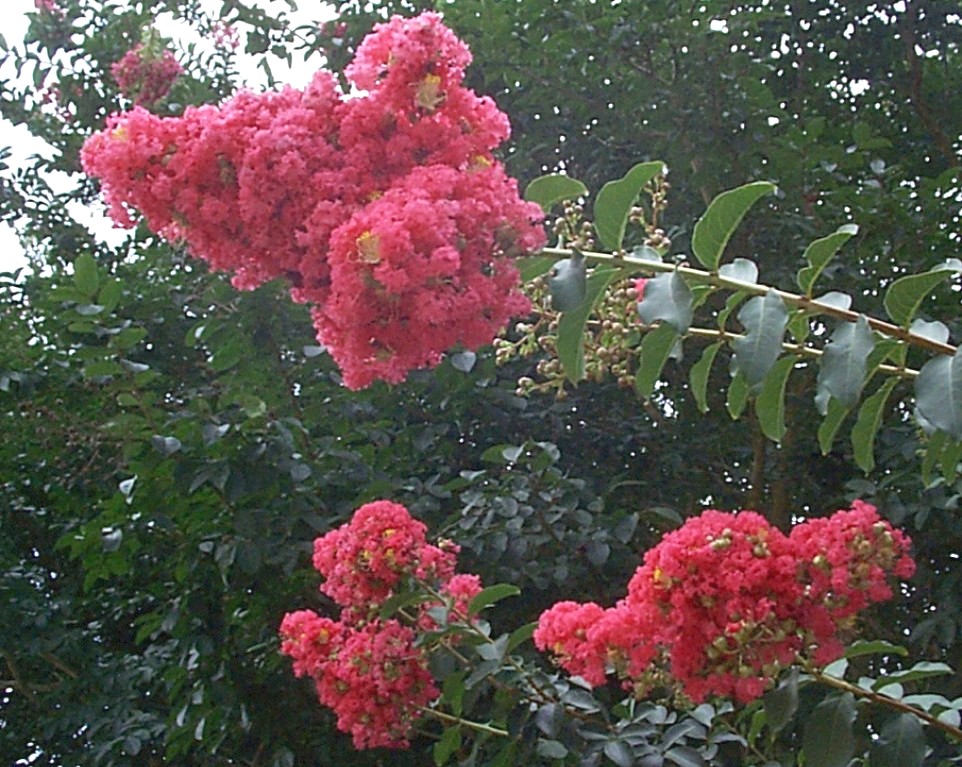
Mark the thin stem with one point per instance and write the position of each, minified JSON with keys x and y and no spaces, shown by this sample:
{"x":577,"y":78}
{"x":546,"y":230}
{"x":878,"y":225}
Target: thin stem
{"x":792,"y":299}
{"x":451,"y":719}
{"x":885,"y":700}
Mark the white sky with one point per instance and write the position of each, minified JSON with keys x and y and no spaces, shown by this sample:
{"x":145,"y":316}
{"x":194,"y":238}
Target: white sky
{"x":24,"y":145}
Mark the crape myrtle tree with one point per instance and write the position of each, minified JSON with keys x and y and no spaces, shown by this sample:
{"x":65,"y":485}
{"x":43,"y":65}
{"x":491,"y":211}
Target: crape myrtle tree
{"x":174,"y":445}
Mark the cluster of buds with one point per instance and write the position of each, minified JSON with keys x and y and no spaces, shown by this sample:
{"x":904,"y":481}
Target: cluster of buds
{"x":572,"y":229}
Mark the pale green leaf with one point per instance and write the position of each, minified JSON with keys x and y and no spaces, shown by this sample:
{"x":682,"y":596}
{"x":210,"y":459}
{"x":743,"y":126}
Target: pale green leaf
{"x":843,"y":364}
{"x":553,"y":188}
{"x":667,"y":299}
{"x":764,"y":318}
{"x":615,"y":200}
{"x":656,"y":348}
{"x":938,"y":393}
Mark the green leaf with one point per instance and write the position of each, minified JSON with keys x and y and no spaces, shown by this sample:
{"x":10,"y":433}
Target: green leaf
{"x":737,"y":396}
{"x":828,"y":740}
{"x":668,"y":299}
{"x":551,"y":749}
{"x":656,"y":348}
{"x":867,"y":425}
{"x":683,"y":756}
{"x":534,"y":266}
{"x":820,"y":252}
{"x":862,"y":647}
{"x":834,"y":416}
{"x":615,"y":200}
{"x":843,"y":364}
{"x":715,"y":228}
{"x":85,"y":276}
{"x":904,"y":296}
{"x":100,"y":368}
{"x":490,"y":595}
{"x":938,"y":393}
{"x":921,"y":670}
{"x":110,"y":294}
{"x":933,"y":453}
{"x":951,"y":456}
{"x":619,"y":752}
{"x":568,"y":283}
{"x":553,"y":188}
{"x":740,"y":270}
{"x":782,"y":702}
{"x":521,"y":635}
{"x":571,"y":327}
{"x":699,"y":376}
{"x":764,"y":318}
{"x":770,"y":404}
{"x":901,"y":743}
{"x":449,"y":743}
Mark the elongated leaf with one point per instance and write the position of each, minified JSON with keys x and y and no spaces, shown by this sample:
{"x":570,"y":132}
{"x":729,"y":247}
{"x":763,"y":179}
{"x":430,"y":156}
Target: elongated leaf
{"x":553,"y":188}
{"x":951,"y":456}
{"x":782,"y":702}
{"x":737,"y":396}
{"x":921,"y":670}
{"x":828,"y":740}
{"x":699,"y":376}
{"x":938,"y":393}
{"x":619,"y":752}
{"x":715,"y":228}
{"x":449,"y":743}
{"x":900,"y":744}
{"x":770,"y":404}
{"x":571,"y":327}
{"x":764,"y":318}
{"x":656,"y":348}
{"x":85,"y":276}
{"x":933,"y":454}
{"x":820,"y":252}
{"x":904,"y":296}
{"x":667,"y":298}
{"x":843,"y":365}
{"x":568,"y":283}
{"x":490,"y":595}
{"x":834,"y":416}
{"x":615,"y":200}
{"x":534,"y":266}
{"x":867,"y":425}
{"x":874,"y":647}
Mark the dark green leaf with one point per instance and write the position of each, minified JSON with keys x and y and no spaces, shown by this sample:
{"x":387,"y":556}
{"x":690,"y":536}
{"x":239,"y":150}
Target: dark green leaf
{"x":933,"y":454}
{"x":568,"y":283}
{"x":843,"y":364}
{"x":828,"y":740}
{"x":534,"y":266}
{"x":867,"y":425}
{"x":615,"y":200}
{"x":820,"y":252}
{"x":951,"y":456}
{"x":571,"y":327}
{"x":685,"y":756}
{"x":667,"y":299}
{"x":921,"y":670}
{"x":553,"y":188}
{"x":938,"y":393}
{"x":764,"y":318}
{"x":619,"y":752}
{"x":552,"y":749}
{"x":491,"y":595}
{"x":699,"y":376}
{"x":834,"y":415}
{"x":719,"y":222}
{"x":656,"y":348}
{"x":102,"y":368}
{"x":782,"y":702}
{"x":904,"y":296}
{"x":521,"y":635}
{"x":901,"y":743}
{"x":875,"y":647}
{"x":770,"y":404}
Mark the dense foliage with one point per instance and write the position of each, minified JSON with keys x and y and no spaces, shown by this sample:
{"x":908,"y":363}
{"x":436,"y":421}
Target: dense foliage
{"x":173,"y":447}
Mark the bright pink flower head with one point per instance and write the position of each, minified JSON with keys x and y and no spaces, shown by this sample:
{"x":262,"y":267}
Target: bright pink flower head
{"x":564,"y":630}
{"x":363,"y":560}
{"x":145,"y":76}
{"x":846,"y":559}
{"x":414,"y":61}
{"x":310,"y":640}
{"x":425,"y":267}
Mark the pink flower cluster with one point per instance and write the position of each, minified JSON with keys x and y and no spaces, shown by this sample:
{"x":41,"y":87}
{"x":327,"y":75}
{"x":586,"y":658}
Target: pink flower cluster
{"x":386,"y":211}
{"x":145,"y":75}
{"x":368,"y":669}
{"x":727,"y":601}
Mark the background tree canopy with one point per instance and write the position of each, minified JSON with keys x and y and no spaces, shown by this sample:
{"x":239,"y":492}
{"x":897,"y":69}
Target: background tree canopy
{"x":172,"y":447}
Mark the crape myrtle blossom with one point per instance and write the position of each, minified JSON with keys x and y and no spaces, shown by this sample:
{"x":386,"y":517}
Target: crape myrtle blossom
{"x":387,"y":211}
{"x":372,"y":671}
{"x":145,"y":73}
{"x":726,"y":601}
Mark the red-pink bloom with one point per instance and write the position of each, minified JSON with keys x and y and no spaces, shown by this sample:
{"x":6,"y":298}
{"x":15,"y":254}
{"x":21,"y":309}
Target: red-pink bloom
{"x":145,"y":76}
{"x":564,"y":630}
{"x":363,"y":560}
{"x":310,"y":640}
{"x":225,"y":35}
{"x":386,"y":211}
